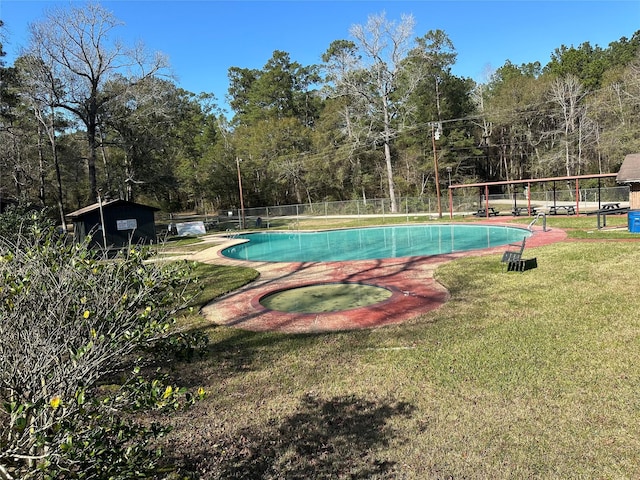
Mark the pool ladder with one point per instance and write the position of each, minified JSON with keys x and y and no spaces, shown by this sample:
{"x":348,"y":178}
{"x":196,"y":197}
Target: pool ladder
{"x":544,"y":221}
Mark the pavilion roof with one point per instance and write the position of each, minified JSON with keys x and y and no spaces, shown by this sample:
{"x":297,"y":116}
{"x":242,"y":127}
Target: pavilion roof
{"x":630,"y":169}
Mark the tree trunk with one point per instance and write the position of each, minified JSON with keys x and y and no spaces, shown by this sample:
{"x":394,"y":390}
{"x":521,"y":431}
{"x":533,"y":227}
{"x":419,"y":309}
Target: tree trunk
{"x":41,"y":175}
{"x":56,"y":164}
{"x":105,"y":164}
{"x":392,"y":193}
{"x":387,"y":155}
{"x":91,"y":162}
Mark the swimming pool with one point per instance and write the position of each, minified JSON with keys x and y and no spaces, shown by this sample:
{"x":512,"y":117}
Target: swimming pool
{"x":371,"y":243}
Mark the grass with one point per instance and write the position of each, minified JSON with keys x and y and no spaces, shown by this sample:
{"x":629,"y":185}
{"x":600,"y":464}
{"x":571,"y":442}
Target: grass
{"x":519,"y":375}
{"x":213,"y":281}
{"x":181,"y":245}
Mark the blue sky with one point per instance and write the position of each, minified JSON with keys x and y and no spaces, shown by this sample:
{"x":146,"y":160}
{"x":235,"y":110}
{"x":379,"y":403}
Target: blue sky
{"x":204,"y":38}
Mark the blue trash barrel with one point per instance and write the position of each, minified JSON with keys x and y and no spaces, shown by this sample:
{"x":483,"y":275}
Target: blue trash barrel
{"x":634,"y":221}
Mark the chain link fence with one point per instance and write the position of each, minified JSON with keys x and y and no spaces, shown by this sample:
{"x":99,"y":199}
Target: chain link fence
{"x":465,"y":201}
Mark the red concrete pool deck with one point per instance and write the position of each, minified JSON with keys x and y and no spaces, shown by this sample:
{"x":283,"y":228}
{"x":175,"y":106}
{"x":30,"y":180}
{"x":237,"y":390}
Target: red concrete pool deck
{"x":410,"y":279}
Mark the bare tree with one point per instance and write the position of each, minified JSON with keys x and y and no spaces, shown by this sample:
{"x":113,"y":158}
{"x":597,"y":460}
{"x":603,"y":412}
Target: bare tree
{"x":483,"y":122}
{"x":374,"y":74}
{"x":38,"y":93}
{"x":567,"y":93}
{"x":137,"y":119}
{"x":632,"y":81}
{"x":77,"y":44}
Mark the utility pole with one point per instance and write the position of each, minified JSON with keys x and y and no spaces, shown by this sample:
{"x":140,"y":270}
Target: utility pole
{"x":241,"y":219}
{"x":102,"y":225}
{"x":435,"y":135}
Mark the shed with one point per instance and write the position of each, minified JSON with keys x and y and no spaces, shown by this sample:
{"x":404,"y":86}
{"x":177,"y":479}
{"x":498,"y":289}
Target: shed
{"x":124,"y":223}
{"x":629,"y":173}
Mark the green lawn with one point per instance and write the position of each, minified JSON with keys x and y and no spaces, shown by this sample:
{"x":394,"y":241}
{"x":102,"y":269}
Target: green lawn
{"x":519,"y":375}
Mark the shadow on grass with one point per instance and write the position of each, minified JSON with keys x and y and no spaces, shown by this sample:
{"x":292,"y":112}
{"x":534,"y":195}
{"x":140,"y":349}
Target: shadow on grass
{"x":233,"y":352}
{"x":334,"y":438}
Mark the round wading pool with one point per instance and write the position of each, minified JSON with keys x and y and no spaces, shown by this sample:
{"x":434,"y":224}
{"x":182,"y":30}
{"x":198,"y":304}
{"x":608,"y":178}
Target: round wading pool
{"x":325,"y":297}
{"x":371,"y":243}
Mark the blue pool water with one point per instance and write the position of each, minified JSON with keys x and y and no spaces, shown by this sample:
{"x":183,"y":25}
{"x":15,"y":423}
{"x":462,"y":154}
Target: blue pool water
{"x":371,"y":243}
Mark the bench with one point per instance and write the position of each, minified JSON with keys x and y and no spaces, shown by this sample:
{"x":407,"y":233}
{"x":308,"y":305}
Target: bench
{"x":513,"y":255}
{"x":523,"y":210}
{"x":482,"y":212}
{"x":514,"y":260}
{"x":569,"y":209}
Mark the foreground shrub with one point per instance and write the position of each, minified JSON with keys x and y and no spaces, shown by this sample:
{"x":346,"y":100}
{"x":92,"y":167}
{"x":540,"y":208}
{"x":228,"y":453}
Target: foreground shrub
{"x":69,"y":319}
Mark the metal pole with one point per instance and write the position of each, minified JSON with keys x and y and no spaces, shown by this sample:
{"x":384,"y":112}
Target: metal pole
{"x":450,"y":202}
{"x":104,"y":232}
{"x":486,"y":200}
{"x":241,"y":196}
{"x":406,"y":207}
{"x":449,"y":192}
{"x":435,"y":166}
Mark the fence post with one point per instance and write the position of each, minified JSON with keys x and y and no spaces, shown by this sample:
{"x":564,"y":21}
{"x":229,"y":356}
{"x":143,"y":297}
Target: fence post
{"x":406,"y":207}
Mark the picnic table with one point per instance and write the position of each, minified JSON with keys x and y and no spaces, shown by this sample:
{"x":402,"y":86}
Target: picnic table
{"x":523,"y":210}
{"x":613,"y":206}
{"x":482,"y":212}
{"x":555,"y":209}
{"x":608,"y":209}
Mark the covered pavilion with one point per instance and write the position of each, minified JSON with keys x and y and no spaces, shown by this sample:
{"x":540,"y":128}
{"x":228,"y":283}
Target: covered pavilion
{"x":484,"y":188}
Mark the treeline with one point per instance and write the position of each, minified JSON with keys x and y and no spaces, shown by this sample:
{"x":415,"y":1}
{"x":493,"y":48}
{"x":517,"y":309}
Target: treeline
{"x":82,"y":117}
